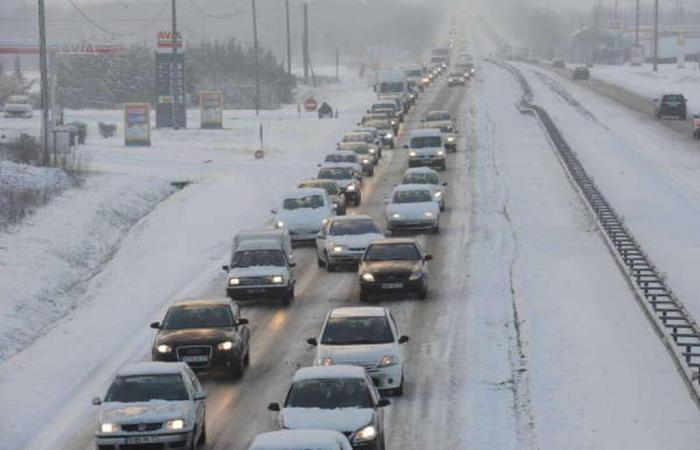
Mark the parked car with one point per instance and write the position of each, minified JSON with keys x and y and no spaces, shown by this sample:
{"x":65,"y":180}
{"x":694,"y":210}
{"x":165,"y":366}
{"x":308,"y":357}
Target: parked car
{"x":301,"y":440}
{"x":394,"y":266}
{"x":671,"y":105}
{"x":332,"y":189}
{"x":366,"y":337}
{"x":429,"y":177}
{"x":18,"y":110}
{"x":261,"y":269}
{"x":412,"y":207}
{"x":343,"y":240}
{"x":348,"y":178}
{"x":205,"y":334}
{"x":152,"y":404}
{"x":338,"y":398}
{"x":426,"y":148}
{"x":303,"y":212}
{"x":581,"y":73}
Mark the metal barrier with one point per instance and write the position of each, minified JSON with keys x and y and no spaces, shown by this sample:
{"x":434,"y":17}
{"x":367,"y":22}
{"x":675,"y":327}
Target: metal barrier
{"x":674,"y":325}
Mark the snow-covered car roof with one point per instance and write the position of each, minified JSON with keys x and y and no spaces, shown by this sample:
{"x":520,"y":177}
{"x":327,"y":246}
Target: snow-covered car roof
{"x":412,"y":187}
{"x":304,"y":192}
{"x":299,"y":440}
{"x":351,"y":218}
{"x":259,"y":244}
{"x":321,"y":372}
{"x":358,"y":311}
{"x":344,"y":152}
{"x":339,"y":165}
{"x":356,"y":133}
{"x":151,"y":368}
{"x":366,"y":129}
{"x":201,"y":302}
{"x":317,"y":182}
{"x":390,"y":241}
{"x":426,"y":132}
{"x":420,"y":170}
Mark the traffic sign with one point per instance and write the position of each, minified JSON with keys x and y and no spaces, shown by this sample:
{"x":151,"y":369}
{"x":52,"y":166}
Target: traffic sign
{"x":310,"y":104}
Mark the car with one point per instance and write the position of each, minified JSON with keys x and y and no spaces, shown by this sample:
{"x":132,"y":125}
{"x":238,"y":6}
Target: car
{"x":391,"y":105}
{"x":394,"y":266}
{"x":581,"y":73}
{"x":558,"y":63}
{"x":348,"y":177}
{"x":367,"y":155}
{"x":339,"y":398}
{"x":412,"y":207}
{"x":279,"y":235}
{"x":333,"y":190}
{"x":370,"y":116}
{"x":366,"y":337}
{"x":385,"y":130}
{"x":301,"y":440}
{"x":303,"y":212}
{"x":456,"y":79}
{"x":261,"y":269}
{"x":154,"y":404}
{"x":426,"y":148}
{"x":429,"y":177}
{"x":343,"y":240}
{"x":368,"y":136}
{"x":448,"y":131}
{"x":376,"y":139}
{"x":671,"y":105}
{"x":343,"y":156}
{"x":437,"y":116}
{"x":18,"y":110}
{"x":205,"y":334}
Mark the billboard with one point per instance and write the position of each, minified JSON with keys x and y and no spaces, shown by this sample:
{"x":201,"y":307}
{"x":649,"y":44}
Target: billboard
{"x":171,"y":109}
{"x":211,"y":105}
{"x":137,"y":124}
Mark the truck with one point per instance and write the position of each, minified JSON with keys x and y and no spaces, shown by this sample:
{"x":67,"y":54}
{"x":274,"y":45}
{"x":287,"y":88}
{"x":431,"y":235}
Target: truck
{"x":393,"y":85}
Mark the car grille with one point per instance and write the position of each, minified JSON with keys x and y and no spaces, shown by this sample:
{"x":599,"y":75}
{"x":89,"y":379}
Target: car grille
{"x":140,"y":427}
{"x":356,"y":249}
{"x":195,"y":351}
{"x":391,"y":277}
{"x":154,"y":446}
{"x":254,"y":281}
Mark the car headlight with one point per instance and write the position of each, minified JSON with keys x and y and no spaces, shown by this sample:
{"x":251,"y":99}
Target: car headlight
{"x":368,"y":277}
{"x":412,"y":153}
{"x":393,"y":122}
{"x":227,"y":345}
{"x":365,"y":161}
{"x":367,"y":433}
{"x":429,"y":214}
{"x":387,"y":360}
{"x":440,"y":153}
{"x":450,"y":139}
{"x":277,"y":279}
{"x":234,"y":281}
{"x":279,"y":224}
{"x":415,"y":276}
{"x":372,"y":151}
{"x":337,"y":248}
{"x":438,"y":194}
{"x":396,"y":216}
{"x":163,"y":348}
{"x":389,"y":136}
{"x":177,"y":424}
{"x":108,"y":427}
{"x":351,"y":188}
{"x":327,"y":361}
{"x":426,"y":80}
{"x":324,"y":221}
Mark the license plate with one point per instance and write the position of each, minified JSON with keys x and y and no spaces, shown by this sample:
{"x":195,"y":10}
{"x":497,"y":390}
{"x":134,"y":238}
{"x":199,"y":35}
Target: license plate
{"x":392,"y":285}
{"x":195,"y":358}
{"x":140,"y":439}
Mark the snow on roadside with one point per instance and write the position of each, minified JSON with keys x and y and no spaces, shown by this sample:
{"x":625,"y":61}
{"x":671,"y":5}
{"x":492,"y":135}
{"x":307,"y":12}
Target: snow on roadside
{"x":22,"y":176}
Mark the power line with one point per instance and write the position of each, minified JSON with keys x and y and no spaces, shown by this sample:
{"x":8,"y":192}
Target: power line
{"x":97,"y":25}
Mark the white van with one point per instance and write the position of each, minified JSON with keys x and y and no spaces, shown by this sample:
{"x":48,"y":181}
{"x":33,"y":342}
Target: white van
{"x":280,"y":235}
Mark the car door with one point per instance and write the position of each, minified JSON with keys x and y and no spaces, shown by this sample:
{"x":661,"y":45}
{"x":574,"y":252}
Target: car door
{"x":194,"y":386}
{"x":423,"y":262}
{"x":395,"y":332}
{"x":321,"y":239}
{"x":242,"y":331}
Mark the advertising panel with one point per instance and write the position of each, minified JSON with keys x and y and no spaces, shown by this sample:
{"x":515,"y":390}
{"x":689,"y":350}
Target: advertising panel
{"x":211,"y":104}
{"x":137,"y":124}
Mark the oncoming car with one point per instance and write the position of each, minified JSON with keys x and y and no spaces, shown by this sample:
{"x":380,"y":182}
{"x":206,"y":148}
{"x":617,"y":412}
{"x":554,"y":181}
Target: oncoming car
{"x":412,"y":207}
{"x":152,"y":405}
{"x":333,"y":190}
{"x":303,"y":212}
{"x":429,"y":177}
{"x":426,"y":148}
{"x":366,"y":337}
{"x":347,"y":177}
{"x":343,"y":240}
{"x":301,"y":440}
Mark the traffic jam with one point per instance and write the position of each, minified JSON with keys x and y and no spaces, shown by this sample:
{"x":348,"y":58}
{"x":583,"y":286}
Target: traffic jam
{"x":340,"y":401}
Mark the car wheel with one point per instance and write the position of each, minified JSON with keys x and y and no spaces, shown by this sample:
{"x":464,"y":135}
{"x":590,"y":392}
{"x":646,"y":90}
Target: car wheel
{"x":442,"y":207}
{"x":246,"y":360}
{"x":237,"y":367}
{"x":436,"y":228}
{"x":330,"y":267}
{"x":287,"y":299}
{"x":423,"y":294}
{"x":320,"y":262}
{"x":364,"y":296}
{"x":398,"y":392}
{"x":203,"y":436}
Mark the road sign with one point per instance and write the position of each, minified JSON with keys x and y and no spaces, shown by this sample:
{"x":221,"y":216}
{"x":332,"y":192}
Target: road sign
{"x":310,"y":104}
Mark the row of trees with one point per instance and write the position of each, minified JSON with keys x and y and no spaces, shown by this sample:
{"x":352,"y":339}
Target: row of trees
{"x":13,"y":82}
{"x":104,"y":81}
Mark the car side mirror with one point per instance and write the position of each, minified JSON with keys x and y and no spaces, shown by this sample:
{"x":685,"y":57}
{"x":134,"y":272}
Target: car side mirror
{"x":656,"y":100}
{"x":243,"y":321}
{"x":312,"y":341}
{"x":273,"y":406}
{"x":292,"y":264}
{"x":155,"y":325}
{"x":383,"y":402}
{"x":444,"y":183}
{"x":96,"y":401}
{"x":273,"y":211}
{"x":403,"y":339}
{"x":226,"y":268}
{"x":405,"y":146}
{"x":200,"y":395}
{"x":320,"y":235}
{"x":428,"y":257}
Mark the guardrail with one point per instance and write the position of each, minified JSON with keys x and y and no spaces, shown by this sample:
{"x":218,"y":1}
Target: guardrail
{"x":671,"y":320}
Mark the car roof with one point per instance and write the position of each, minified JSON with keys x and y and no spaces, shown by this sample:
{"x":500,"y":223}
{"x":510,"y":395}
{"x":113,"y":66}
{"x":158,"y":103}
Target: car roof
{"x":420,"y":170}
{"x":366,"y":129}
{"x":286,"y":439}
{"x":339,"y":165}
{"x":357,"y":311}
{"x":390,"y":241}
{"x":351,"y":218}
{"x":328,"y":372}
{"x":260,"y":244}
{"x":437,"y":111}
{"x":412,"y":187}
{"x":343,"y":152}
{"x":356,"y":132}
{"x":317,"y":181}
{"x":151,"y":368}
{"x":303,"y":192}
{"x":201,"y":302}
{"x":426,"y":132}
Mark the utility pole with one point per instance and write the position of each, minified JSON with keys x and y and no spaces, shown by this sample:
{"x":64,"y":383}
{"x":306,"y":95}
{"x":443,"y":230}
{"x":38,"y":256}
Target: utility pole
{"x":173,"y":69}
{"x":636,"y":26}
{"x":305,"y":44}
{"x":43,"y":67}
{"x":257,"y":67}
{"x":289,"y":43}
{"x":656,"y":35}
{"x":337,"y":64}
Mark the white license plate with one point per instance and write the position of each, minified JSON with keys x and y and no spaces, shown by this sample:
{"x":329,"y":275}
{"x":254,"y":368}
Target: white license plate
{"x":195,"y":358}
{"x":140,"y":439}
{"x":392,"y":285}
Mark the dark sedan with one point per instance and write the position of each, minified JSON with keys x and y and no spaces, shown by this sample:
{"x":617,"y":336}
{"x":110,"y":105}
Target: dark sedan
{"x":394,"y":266}
{"x":206,"y":334}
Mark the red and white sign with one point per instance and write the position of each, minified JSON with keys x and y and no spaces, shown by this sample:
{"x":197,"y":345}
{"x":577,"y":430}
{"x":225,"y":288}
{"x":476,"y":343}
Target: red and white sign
{"x":67,"y":48}
{"x":165,"y":41}
{"x":310,"y":104}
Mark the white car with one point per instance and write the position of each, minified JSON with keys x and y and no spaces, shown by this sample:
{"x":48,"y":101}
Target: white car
{"x":349,"y":178}
{"x":365,"y":337}
{"x":412,"y":207}
{"x":367,"y":155}
{"x":344,"y":239}
{"x":448,"y":131}
{"x":426,"y":148}
{"x":338,"y":398}
{"x":303,"y":212}
{"x":429,"y":177}
{"x":301,"y":440}
{"x":152,"y":403}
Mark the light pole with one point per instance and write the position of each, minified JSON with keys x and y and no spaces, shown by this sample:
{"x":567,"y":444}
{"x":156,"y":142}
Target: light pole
{"x":43,"y":67}
{"x":257,"y":67}
{"x":656,"y":35}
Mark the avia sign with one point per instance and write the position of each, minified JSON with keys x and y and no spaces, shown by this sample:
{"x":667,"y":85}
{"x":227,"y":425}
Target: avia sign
{"x":66,"y":48}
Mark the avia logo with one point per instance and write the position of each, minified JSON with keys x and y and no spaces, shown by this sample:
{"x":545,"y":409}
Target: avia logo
{"x":78,"y":48}
{"x":168,"y":36}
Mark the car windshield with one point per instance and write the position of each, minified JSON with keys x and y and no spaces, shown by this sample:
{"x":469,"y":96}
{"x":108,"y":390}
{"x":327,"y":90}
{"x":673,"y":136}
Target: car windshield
{"x":144,"y":388}
{"x":380,"y":124}
{"x":357,"y":331}
{"x":380,"y":106}
{"x":414,"y":196}
{"x":345,"y":227}
{"x":414,"y":73}
{"x":336,"y":173}
{"x":308,"y":201}
{"x":361,"y":149}
{"x":426,"y":141}
{"x":355,"y":137}
{"x":330,"y":393}
{"x":456,"y":75}
{"x":392,"y":86}
{"x":335,"y":157}
{"x":421,"y":178}
{"x":438,"y":115}
{"x":182,"y":317}
{"x":673,"y":98}
{"x":251,"y":258}
{"x":330,"y":187}
{"x":392,"y":252}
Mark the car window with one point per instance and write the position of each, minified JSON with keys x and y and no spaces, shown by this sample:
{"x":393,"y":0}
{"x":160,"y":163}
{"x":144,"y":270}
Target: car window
{"x":182,"y":317}
{"x":144,"y":388}
{"x":421,"y":178}
{"x":435,"y":116}
{"x":331,"y":188}
{"x":357,"y":331}
{"x":673,"y":98}
{"x":308,"y":201}
{"x":392,"y":252}
{"x":251,"y":258}
{"x":336,"y":173}
{"x":416,"y":196}
{"x":426,"y":141}
{"x":330,"y":393}
{"x":350,"y":227}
